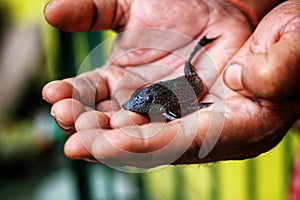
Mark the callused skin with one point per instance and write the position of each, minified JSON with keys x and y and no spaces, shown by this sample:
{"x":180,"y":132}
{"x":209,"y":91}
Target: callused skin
{"x":170,"y":97}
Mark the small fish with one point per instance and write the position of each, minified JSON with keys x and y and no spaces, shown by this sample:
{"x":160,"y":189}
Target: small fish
{"x":169,"y":98}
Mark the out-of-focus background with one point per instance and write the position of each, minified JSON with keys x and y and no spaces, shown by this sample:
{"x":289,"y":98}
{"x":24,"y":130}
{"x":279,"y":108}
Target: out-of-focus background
{"x":32,"y":164}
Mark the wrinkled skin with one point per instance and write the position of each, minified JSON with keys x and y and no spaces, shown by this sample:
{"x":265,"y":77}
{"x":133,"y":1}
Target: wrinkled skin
{"x":258,"y":109}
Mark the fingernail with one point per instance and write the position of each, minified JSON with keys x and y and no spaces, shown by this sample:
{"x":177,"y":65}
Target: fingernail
{"x":233,"y":76}
{"x":61,"y":123}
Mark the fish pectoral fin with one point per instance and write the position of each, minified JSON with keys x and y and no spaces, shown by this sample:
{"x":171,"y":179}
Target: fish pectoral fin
{"x":199,"y":105}
{"x":170,"y":115}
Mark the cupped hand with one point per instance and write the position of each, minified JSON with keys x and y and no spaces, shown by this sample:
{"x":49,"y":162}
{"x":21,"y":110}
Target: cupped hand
{"x":266,"y":73}
{"x":158,"y":36}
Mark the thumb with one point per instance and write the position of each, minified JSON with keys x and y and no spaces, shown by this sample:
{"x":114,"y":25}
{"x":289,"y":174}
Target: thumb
{"x":83,"y":15}
{"x":268,"y":66}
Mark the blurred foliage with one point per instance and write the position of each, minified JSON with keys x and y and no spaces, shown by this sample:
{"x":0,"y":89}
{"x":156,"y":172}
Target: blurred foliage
{"x":53,"y":54}
{"x":30,"y":144}
{"x":22,"y":12}
{"x":22,"y":105}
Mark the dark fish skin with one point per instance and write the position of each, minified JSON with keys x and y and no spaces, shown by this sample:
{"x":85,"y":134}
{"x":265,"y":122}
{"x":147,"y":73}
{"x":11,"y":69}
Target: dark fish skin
{"x":170,"y":94}
{"x":170,"y":97}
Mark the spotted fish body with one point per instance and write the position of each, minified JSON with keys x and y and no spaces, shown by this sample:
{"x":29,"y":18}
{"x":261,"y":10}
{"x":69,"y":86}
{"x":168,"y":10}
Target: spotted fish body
{"x":170,"y":97}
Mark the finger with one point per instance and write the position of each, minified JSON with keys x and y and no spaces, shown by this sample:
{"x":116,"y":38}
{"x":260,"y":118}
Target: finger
{"x":65,"y":112}
{"x":82,"y":15}
{"x":107,"y":106}
{"x":88,"y":88}
{"x":91,"y":87}
{"x":120,"y":148}
{"x":142,"y":146}
{"x":92,"y":120}
{"x":268,"y":65}
{"x":58,"y":90}
{"x":75,"y":149}
{"x":118,"y":117}
{"x":273,"y":75}
{"x":123,"y":118}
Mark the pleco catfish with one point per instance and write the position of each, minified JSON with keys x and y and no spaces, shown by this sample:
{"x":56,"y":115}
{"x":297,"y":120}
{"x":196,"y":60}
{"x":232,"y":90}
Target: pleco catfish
{"x":170,"y":97}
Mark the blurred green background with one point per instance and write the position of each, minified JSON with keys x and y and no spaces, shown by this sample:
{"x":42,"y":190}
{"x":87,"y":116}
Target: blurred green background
{"x":32,"y":164}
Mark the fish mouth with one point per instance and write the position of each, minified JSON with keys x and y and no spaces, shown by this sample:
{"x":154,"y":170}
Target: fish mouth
{"x":126,"y":105}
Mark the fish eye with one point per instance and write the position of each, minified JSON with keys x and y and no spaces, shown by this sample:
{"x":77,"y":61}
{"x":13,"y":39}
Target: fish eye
{"x":149,"y":98}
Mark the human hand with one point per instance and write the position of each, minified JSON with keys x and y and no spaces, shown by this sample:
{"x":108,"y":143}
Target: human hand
{"x":112,"y":138}
{"x":267,"y":70}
